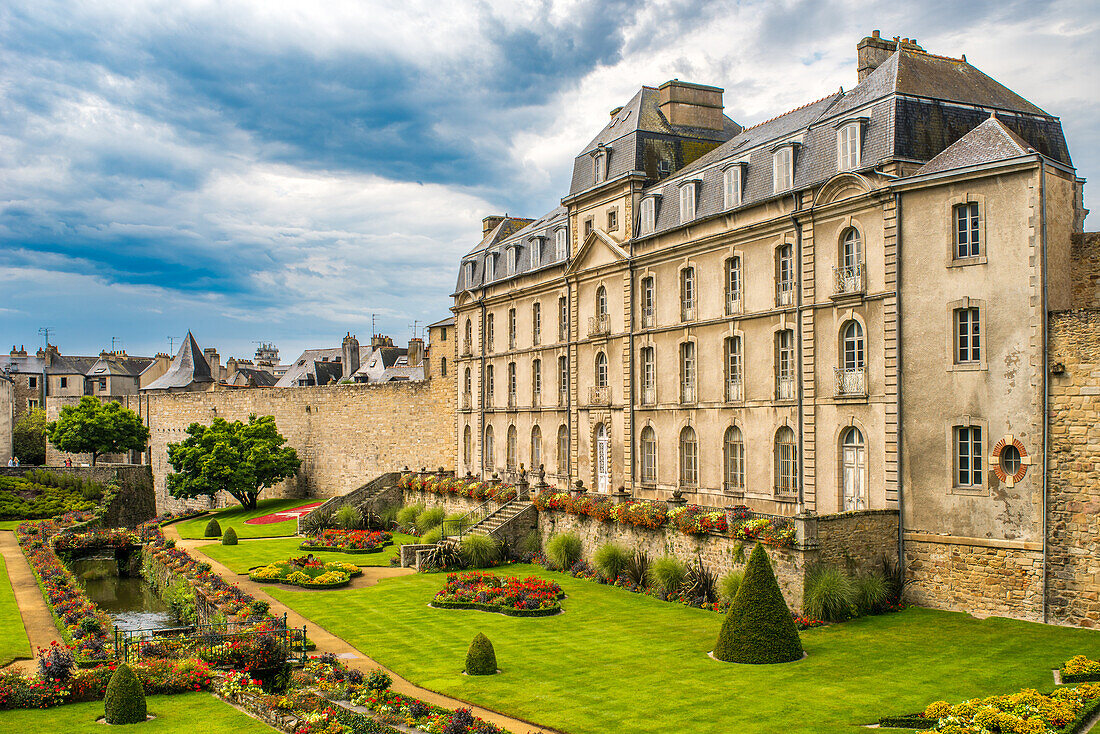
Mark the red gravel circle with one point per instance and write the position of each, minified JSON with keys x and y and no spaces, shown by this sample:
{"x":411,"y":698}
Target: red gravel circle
{"x":283,"y":515}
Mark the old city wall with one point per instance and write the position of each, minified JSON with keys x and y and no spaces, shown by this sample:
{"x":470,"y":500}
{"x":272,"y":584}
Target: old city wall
{"x":1085,"y":268}
{"x":134,"y":503}
{"x":7,"y":418}
{"x":1073,"y":500}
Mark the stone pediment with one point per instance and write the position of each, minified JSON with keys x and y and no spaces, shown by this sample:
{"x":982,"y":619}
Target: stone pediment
{"x":597,"y":249}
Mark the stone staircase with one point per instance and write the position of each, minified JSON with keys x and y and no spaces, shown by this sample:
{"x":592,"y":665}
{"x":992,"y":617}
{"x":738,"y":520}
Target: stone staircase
{"x":366,"y":498}
{"x":495,"y":523}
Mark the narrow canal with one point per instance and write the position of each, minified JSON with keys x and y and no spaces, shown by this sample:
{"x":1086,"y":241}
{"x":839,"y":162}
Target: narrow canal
{"x":129,"y":600}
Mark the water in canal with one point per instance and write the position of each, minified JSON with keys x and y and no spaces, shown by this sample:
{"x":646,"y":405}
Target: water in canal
{"x":129,"y":600}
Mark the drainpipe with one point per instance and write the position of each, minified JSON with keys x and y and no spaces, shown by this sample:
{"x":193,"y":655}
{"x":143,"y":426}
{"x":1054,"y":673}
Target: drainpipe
{"x":899,"y":381}
{"x":569,"y":384}
{"x":798,"y":352}
{"x":481,"y":390}
{"x":1046,"y":370}
{"x":630,"y":373}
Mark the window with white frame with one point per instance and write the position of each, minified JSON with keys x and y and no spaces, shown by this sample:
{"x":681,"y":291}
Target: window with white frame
{"x":847,"y":146}
{"x":512,"y":455}
{"x":968,"y":336}
{"x":513,"y":259}
{"x":649,"y":455}
{"x":490,"y":267}
{"x":689,"y":458}
{"x":561,"y":244}
{"x":563,"y":376}
{"x":468,"y":274}
{"x":649,"y":376}
{"x":490,"y":385}
{"x":467,"y":383}
{"x":648,"y":215}
{"x":733,"y":285}
{"x":851,"y":338}
{"x":733,"y":369}
{"x":488,"y":448}
{"x":687,"y":294}
{"x":600,"y":166}
{"x":536,"y":252}
{"x":649,"y":302}
{"x":784,"y":276}
{"x":968,"y":457}
{"x":563,"y":319}
{"x":536,"y":377}
{"x":967,"y":231}
{"x":784,"y":364}
{"x":733,"y":450}
{"x":511,"y":328}
{"x":489,"y":329}
{"x":601,"y":301}
{"x":468,"y":341}
{"x":536,"y":322}
{"x":786,"y":462}
{"x":563,"y":450}
{"x":783,"y":169}
{"x":731,"y":187}
{"x":687,"y":372}
{"x":536,"y":447}
{"x":687,"y":201}
{"x":601,"y":369}
{"x":511,"y":382}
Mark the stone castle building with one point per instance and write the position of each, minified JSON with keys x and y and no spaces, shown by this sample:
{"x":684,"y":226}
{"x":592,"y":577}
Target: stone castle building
{"x":846,"y":307}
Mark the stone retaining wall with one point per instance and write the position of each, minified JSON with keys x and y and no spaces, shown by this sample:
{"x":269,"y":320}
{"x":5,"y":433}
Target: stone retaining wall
{"x":132,"y":505}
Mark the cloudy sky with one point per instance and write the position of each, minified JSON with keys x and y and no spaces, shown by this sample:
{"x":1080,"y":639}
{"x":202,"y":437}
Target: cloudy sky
{"x":275,"y":170}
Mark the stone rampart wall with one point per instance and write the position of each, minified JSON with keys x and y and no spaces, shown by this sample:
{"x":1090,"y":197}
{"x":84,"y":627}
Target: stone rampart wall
{"x":860,"y":538}
{"x":133,"y":504}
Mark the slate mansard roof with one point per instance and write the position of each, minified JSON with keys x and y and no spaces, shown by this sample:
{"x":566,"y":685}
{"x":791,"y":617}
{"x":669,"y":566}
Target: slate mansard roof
{"x":539,"y":233}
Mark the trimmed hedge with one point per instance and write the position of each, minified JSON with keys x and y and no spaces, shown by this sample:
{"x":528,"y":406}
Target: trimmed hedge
{"x":213,"y":529}
{"x":506,"y":611}
{"x":481,"y":659}
{"x":1068,"y":678}
{"x":758,"y":628}
{"x":230,"y":537}
{"x":124,"y":702}
{"x":908,"y":721}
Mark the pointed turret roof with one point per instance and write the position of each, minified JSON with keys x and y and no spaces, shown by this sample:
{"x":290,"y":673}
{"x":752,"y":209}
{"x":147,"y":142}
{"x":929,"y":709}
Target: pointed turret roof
{"x":188,"y":367}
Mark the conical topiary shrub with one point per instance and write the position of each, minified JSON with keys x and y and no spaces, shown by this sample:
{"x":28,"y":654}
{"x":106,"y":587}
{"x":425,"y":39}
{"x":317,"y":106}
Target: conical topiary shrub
{"x":759,"y":628}
{"x":481,"y":658}
{"x":213,"y":529}
{"x":124,"y":702}
{"x":230,"y":537}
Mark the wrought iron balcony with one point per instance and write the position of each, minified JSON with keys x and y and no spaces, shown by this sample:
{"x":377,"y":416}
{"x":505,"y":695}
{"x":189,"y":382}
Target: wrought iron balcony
{"x":784,"y":388}
{"x":733,"y":391}
{"x":649,"y":318}
{"x":788,"y":492}
{"x":599,"y":325}
{"x":599,"y":395}
{"x":734,"y":304}
{"x":849,"y":280}
{"x":784,"y":294}
{"x":851,"y":381}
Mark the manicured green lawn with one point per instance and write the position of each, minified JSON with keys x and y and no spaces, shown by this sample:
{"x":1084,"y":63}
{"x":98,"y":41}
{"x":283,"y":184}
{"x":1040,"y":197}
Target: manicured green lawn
{"x":13,"y":637}
{"x":239,"y":558}
{"x":10,"y":524}
{"x":235,"y":517}
{"x":186,"y":713}
{"x":616,"y":661}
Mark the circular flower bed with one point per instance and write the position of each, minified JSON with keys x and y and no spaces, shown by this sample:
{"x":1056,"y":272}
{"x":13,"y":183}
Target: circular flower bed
{"x":307,"y":573}
{"x":349,"y":541}
{"x":515,"y":597}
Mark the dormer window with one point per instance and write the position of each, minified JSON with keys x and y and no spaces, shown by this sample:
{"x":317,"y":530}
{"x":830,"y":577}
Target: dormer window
{"x":687,"y":201}
{"x":648,"y":215}
{"x":490,"y":266}
{"x":849,"y":136}
{"x":561,"y":247}
{"x":731,"y":185}
{"x":468,"y":273}
{"x":599,"y":164}
{"x":783,"y":169}
{"x":536,"y":252}
{"x":513,"y":259}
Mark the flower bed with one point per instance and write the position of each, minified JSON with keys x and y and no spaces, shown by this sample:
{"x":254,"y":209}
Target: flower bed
{"x":1063,"y":711}
{"x":69,"y":542}
{"x":1080,"y":669}
{"x":284,"y":515}
{"x":307,"y":573}
{"x":474,"y":490}
{"x":44,"y":494}
{"x":349,"y":541}
{"x":736,"y":522}
{"x":515,"y":597}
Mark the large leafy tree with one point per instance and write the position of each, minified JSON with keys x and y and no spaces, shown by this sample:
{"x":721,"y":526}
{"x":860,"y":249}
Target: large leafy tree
{"x":29,"y":437}
{"x":92,"y":427}
{"x":239,"y":458}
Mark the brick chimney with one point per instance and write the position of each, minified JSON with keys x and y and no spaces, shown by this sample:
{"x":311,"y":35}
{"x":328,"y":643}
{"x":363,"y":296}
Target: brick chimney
{"x":380,"y":340}
{"x":489,"y":223}
{"x":692,"y":105}
{"x":416,"y":351}
{"x":873,"y":50}
{"x":350,"y":356}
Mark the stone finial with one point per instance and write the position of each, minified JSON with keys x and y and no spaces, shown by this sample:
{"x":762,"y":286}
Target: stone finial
{"x":622,"y":495}
{"x":677,"y":498}
{"x":579,"y":488}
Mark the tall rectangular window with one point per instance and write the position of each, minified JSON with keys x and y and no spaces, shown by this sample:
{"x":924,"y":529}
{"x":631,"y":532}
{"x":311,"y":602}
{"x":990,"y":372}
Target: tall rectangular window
{"x":687,"y":372}
{"x":968,"y":337}
{"x":489,"y":329}
{"x":731,"y":186}
{"x":561,"y":248}
{"x":490,"y":267}
{"x":649,"y":215}
{"x":511,"y":383}
{"x":733,"y":368}
{"x":511,"y":328}
{"x":687,"y":202}
{"x":687,"y":294}
{"x":468,"y":274}
{"x":513,"y":259}
{"x":649,"y":455}
{"x":649,"y":302}
{"x":536,"y":323}
{"x":783,"y":169}
{"x":733,"y":286}
{"x":784,"y":276}
{"x":536,"y":377}
{"x":563,"y":319}
{"x":563,"y":379}
{"x":968,"y":456}
{"x":490,"y":385}
{"x":847,"y":147}
{"x":601,"y":166}
{"x":784,"y":365}
{"x":649,"y":376}
{"x":967,"y":231}
{"x":536,"y":252}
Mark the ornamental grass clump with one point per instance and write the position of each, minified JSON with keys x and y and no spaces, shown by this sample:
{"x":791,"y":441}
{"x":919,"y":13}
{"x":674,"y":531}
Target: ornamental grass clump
{"x":349,"y":518}
{"x":563,"y":550}
{"x":406,"y":516}
{"x":479,"y":551}
{"x":758,"y":628}
{"x":428,"y":519}
{"x":230,"y":537}
{"x":830,"y":595}
{"x":871,"y":592}
{"x":481,"y":658}
{"x":213,"y":529}
{"x":728,"y":585}
{"x":433,"y":536}
{"x":124,"y":702}
{"x":610,"y":560}
{"x":666,"y":574}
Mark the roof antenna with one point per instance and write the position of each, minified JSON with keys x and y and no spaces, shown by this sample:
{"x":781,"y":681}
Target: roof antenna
{"x":964,"y":58}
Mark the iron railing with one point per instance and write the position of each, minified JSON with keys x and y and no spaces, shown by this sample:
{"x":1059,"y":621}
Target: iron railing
{"x":649,"y":318}
{"x":784,"y":388}
{"x":649,"y":395}
{"x":850,"y":381}
{"x":599,"y":325}
{"x":733,"y":304}
{"x":784,"y":294}
{"x":208,"y":641}
{"x":733,"y":391}
{"x":599,"y":395}
{"x":848,"y":279}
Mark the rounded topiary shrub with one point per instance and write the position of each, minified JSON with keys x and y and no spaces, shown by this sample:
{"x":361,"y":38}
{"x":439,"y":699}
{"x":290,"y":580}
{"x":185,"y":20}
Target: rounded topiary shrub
{"x":213,"y":529}
{"x":230,"y":537}
{"x":759,"y":628}
{"x":481,"y":659}
{"x":124,"y":702}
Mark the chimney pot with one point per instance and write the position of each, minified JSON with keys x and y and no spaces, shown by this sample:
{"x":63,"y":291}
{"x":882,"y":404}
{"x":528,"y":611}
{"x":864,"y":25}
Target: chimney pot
{"x":692,"y":105}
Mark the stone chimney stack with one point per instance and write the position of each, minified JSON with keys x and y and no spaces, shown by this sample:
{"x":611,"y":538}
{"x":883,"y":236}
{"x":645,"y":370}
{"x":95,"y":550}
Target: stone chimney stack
{"x":230,"y":367}
{"x":215,"y":361}
{"x":350,"y":356}
{"x":692,"y":105}
{"x":380,"y":340}
{"x":873,"y":50}
{"x":416,"y":351}
{"x":488,"y":224}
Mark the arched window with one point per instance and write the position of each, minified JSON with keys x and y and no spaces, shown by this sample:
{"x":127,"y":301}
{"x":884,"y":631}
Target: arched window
{"x":488,"y":449}
{"x":689,"y":458}
{"x":853,"y":470}
{"x":687,"y":373}
{"x":563,"y":450}
{"x":467,"y":445}
{"x":536,"y":447}
{"x":601,"y":301}
{"x":468,"y":342}
{"x":687,"y":294}
{"x":733,"y":450}
{"x":851,"y":248}
{"x":601,"y":369}
{"x":786,"y":462}
{"x":443,"y":367}
{"x":851,"y":338}
{"x":512,"y":447}
{"x":649,"y":455}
